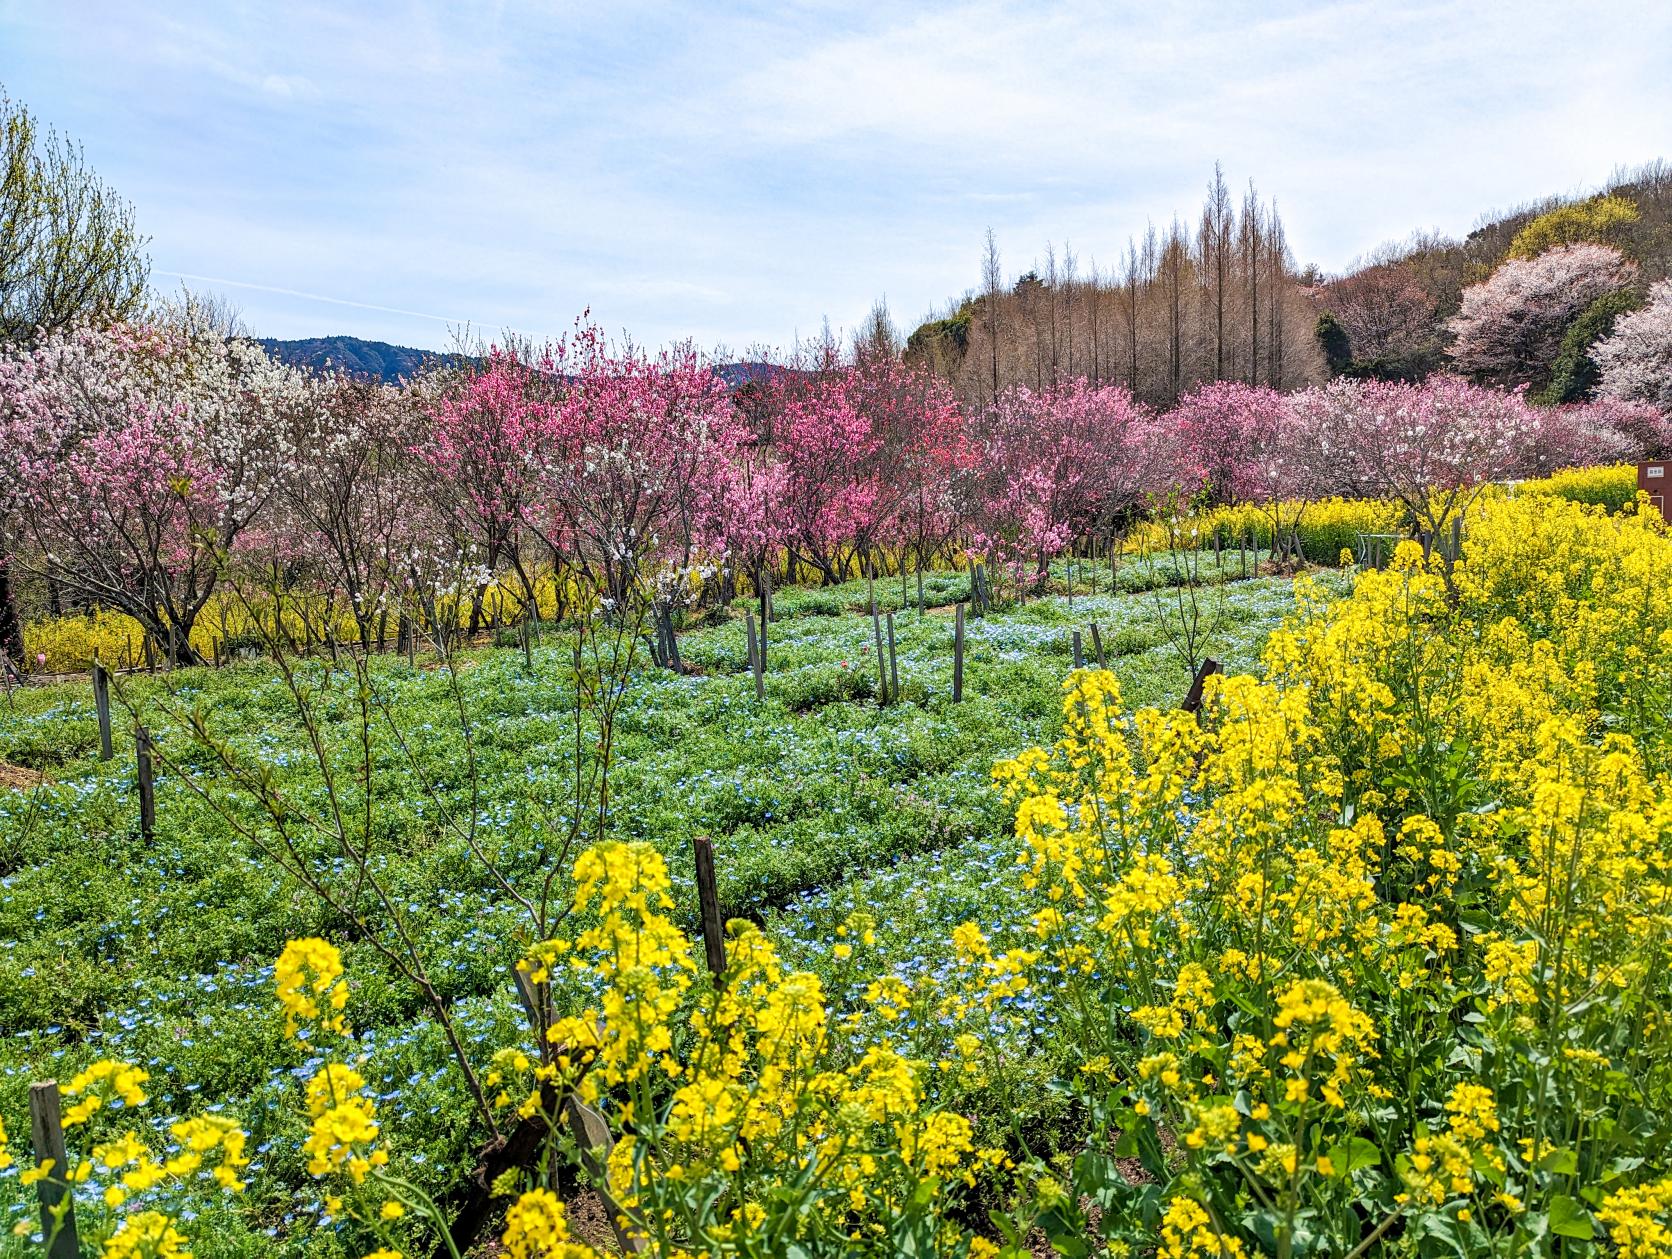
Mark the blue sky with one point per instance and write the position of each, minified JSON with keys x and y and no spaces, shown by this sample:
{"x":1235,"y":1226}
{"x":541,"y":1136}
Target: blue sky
{"x":737,"y":173}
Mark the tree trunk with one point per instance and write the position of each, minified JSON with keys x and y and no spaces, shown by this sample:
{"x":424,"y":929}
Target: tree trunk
{"x":11,"y":628}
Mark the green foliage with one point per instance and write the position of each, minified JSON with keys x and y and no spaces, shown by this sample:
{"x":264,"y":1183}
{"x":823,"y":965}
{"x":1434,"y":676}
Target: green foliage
{"x":817,"y":800}
{"x":68,"y":245}
{"x":1574,"y":374}
{"x":940,"y":340}
{"x":1333,"y":341}
{"x":1598,"y":220}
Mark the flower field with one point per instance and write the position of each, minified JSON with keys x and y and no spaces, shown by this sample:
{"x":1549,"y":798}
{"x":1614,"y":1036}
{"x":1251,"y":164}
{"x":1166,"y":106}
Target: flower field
{"x":1370,"y":958}
{"x":162,"y":955}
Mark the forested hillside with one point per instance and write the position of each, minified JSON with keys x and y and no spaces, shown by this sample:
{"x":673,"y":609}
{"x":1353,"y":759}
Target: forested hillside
{"x":1224,"y":298}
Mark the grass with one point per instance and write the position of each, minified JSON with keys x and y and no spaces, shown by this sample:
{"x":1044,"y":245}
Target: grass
{"x":818,"y":802}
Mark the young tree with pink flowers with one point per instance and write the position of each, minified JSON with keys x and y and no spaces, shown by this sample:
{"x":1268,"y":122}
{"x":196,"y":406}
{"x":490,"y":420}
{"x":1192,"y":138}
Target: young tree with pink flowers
{"x":1052,"y":466}
{"x":923,"y":450}
{"x":1226,"y":433}
{"x":833,"y":490}
{"x":139,"y":456}
{"x":1431,"y":446}
{"x":485,"y":450}
{"x":638,"y":454}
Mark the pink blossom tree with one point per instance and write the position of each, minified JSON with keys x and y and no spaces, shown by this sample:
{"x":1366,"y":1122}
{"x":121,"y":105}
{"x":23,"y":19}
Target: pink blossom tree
{"x":833,"y":492}
{"x":1227,"y":433}
{"x":1636,"y":358}
{"x":485,"y":450}
{"x":1430,"y":446}
{"x":1585,"y":433}
{"x":1510,"y":326}
{"x":923,"y":448}
{"x":1055,"y":465}
{"x":139,"y":457}
{"x":639,"y":453}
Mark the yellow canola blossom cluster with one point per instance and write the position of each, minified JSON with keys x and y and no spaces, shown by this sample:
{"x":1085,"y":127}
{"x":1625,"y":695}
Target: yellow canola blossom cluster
{"x":1392,"y":922}
{"x":739,"y":1097}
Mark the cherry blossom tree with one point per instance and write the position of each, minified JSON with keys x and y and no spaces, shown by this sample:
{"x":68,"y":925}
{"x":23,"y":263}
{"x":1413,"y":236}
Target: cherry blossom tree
{"x":1430,"y":446}
{"x":833,"y":491}
{"x":1585,"y":433}
{"x":485,"y":449}
{"x":1510,"y":326}
{"x":638,"y":455}
{"x":1636,"y":359}
{"x":139,"y":456}
{"x":923,"y":449}
{"x":1052,"y":466}
{"x":752,"y":526}
{"x":350,"y":496}
{"x":1228,"y":432}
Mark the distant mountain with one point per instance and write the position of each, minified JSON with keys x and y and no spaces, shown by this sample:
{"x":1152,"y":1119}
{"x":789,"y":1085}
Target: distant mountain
{"x":378,"y":360}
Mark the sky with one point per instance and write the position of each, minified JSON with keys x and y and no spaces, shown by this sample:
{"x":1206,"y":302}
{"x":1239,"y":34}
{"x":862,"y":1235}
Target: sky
{"x":738,"y":174}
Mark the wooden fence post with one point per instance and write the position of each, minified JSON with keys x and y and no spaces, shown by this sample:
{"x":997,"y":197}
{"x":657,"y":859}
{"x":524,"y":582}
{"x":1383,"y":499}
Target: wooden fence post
{"x":147,"y":796}
{"x":46,"y":1130}
{"x":1079,"y":651}
{"x":893,"y":662}
{"x":708,"y":903}
{"x":1097,"y":646}
{"x":876,"y":632}
{"x":591,"y":1132}
{"x":1193,"y":701}
{"x":957,"y":653}
{"x":672,"y":641}
{"x":101,"y":706}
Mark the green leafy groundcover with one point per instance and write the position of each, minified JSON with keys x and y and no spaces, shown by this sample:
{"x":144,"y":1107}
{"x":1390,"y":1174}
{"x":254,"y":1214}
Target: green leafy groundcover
{"x":818,"y":801}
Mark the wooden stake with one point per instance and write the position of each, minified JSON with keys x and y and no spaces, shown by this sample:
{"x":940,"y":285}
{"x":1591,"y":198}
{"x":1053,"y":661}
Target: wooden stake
{"x":591,"y":1132}
{"x":1079,"y":651}
{"x":147,"y":797}
{"x":957,"y":653}
{"x":876,"y":630}
{"x":101,"y":705}
{"x":893,"y":662}
{"x":672,"y":641}
{"x":1193,"y":701}
{"x":1097,"y":646}
{"x":708,"y":901}
{"x":759,"y":651}
{"x":46,"y":1129}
